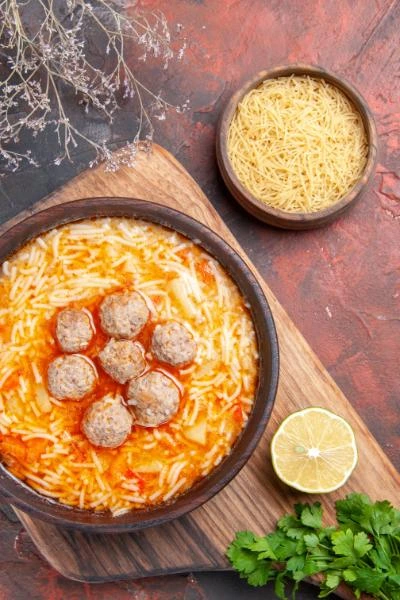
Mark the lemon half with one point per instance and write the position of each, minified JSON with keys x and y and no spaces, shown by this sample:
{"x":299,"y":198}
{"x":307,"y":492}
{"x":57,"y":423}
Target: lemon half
{"x":314,"y":451}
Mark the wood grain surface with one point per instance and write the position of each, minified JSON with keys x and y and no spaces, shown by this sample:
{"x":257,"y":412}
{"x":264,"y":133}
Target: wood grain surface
{"x":255,"y":499}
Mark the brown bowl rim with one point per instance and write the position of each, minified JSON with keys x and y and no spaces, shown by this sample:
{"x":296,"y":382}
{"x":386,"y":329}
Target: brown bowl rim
{"x":22,"y":496}
{"x":274,"y":216}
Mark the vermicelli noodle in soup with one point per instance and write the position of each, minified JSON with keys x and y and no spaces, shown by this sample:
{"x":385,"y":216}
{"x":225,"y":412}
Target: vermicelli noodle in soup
{"x":103,"y":416}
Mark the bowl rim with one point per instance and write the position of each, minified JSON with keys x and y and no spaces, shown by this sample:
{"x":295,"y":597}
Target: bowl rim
{"x":37,"y":505}
{"x":277,"y":216}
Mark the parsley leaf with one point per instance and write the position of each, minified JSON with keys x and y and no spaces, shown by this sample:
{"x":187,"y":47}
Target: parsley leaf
{"x":261,"y":575}
{"x":346,"y":543}
{"x":244,"y":560}
{"x":312,"y":515}
{"x":332,"y":581}
{"x":263,"y":547}
{"x":311,"y":540}
{"x":363,"y":550}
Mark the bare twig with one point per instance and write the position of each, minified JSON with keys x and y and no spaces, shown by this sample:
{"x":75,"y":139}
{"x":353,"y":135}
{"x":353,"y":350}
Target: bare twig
{"x":40,"y":55}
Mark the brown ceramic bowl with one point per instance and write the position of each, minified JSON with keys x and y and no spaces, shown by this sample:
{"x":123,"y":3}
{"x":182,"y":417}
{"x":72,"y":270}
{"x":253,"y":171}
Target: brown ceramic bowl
{"x":30,"y":501}
{"x":273,"y":216}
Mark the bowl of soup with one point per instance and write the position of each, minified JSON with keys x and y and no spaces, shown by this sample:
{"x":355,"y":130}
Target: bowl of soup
{"x":139,"y":364}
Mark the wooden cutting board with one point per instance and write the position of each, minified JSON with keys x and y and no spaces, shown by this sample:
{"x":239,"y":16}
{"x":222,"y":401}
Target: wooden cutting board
{"x":255,"y":499}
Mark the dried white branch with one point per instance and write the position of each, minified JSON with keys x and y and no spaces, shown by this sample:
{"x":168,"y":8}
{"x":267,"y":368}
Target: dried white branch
{"x":43,"y":48}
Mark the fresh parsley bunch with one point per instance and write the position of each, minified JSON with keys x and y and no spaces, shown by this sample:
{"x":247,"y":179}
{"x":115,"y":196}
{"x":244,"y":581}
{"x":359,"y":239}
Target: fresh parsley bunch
{"x":363,"y":551}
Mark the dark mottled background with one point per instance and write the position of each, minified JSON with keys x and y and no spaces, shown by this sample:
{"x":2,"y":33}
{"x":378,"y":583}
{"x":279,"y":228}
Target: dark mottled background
{"x":340,"y":284}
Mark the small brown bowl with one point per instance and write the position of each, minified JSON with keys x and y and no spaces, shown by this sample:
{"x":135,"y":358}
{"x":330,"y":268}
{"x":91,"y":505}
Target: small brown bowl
{"x":23,"y":496}
{"x":273,"y":216}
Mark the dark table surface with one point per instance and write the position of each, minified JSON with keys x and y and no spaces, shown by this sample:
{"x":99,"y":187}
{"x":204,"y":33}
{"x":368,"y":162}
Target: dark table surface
{"x":340,"y":284}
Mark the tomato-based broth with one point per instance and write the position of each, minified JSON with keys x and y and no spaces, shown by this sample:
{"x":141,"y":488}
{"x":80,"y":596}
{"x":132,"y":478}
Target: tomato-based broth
{"x":42,"y":440}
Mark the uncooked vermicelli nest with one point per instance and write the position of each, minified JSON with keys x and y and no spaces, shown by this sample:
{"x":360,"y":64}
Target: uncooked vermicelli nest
{"x":297,"y":143}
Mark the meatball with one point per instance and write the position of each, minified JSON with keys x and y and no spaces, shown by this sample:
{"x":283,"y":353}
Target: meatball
{"x":122,"y":359}
{"x":106,"y":422}
{"x":71,"y":377}
{"x":155,"y":399}
{"x":74,"y":330}
{"x":123,"y":314}
{"x":174,"y":344}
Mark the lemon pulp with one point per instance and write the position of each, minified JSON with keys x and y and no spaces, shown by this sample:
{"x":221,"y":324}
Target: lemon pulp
{"x":314,"y":450}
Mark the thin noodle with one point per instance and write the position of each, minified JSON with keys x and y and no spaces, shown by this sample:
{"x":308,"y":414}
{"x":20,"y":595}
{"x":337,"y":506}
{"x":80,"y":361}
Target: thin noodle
{"x":297,"y":143}
{"x":40,"y":437}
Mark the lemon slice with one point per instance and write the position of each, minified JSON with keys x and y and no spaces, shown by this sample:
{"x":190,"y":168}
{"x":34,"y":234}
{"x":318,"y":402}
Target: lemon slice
{"x":314,"y":451}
